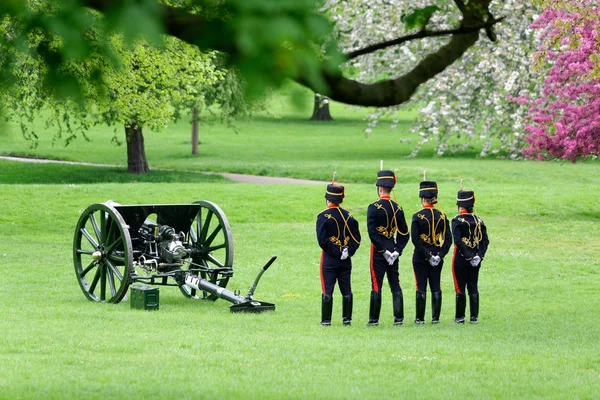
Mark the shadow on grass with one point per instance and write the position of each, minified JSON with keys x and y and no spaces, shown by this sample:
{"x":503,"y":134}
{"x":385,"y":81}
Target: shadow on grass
{"x":587,"y":214}
{"x":397,"y":147}
{"x":16,"y":172}
{"x":352,"y":119}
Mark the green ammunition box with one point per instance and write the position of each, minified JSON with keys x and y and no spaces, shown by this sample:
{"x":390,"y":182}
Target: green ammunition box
{"x":144,"y":297}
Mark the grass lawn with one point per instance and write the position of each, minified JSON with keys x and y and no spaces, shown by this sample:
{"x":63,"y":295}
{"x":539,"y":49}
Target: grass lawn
{"x":539,"y":320}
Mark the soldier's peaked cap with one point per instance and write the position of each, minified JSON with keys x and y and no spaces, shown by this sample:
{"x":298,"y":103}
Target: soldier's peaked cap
{"x":428,"y":189}
{"x":334,"y":193}
{"x":465,"y":198}
{"x":386,"y":178}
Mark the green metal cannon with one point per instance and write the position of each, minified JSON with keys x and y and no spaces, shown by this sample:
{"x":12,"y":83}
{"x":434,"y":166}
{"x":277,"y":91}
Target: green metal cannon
{"x":185,"y":245}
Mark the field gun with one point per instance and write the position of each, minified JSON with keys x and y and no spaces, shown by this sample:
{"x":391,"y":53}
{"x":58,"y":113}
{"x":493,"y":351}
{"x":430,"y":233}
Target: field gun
{"x":185,"y":245}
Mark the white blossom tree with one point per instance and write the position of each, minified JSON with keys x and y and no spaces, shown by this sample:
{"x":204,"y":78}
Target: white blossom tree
{"x":465,"y":103}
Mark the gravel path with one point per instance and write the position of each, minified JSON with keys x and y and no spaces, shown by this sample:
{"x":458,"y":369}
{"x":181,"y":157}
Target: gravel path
{"x":234,"y":177}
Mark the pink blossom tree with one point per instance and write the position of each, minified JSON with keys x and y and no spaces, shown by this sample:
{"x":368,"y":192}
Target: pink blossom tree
{"x":564,"y":121}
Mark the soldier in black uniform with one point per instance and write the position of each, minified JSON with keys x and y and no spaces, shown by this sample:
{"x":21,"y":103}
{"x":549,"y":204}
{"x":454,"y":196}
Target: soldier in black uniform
{"x":430,"y":232}
{"x":339,"y":237}
{"x":389,"y":235}
{"x":470,"y":245}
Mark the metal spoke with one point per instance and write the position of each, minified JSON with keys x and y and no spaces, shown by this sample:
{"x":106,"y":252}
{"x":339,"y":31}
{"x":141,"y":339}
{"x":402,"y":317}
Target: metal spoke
{"x":111,"y":246}
{"x":114,"y":270}
{"x":193,"y":235}
{"x":111,"y":282}
{"x":87,"y":252}
{"x":205,"y":227}
{"x":103,"y":283}
{"x":214,"y":261}
{"x":114,"y":257}
{"x":95,"y":226}
{"x":210,"y":239}
{"x":85,"y":233}
{"x":198,"y":225}
{"x":103,"y":224}
{"x":95,"y":281}
{"x":88,"y":269}
{"x":110,"y":229}
{"x":217,"y":247}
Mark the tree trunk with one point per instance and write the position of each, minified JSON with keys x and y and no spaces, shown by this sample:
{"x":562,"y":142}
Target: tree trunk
{"x":195,"y":131}
{"x":136,"y":155}
{"x":321,"y":109}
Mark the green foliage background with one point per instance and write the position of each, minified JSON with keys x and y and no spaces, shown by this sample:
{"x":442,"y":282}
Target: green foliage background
{"x":537,"y":336}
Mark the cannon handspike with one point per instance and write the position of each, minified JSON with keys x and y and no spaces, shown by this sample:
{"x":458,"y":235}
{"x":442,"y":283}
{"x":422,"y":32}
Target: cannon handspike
{"x":251,"y":305}
{"x":262,"y":271}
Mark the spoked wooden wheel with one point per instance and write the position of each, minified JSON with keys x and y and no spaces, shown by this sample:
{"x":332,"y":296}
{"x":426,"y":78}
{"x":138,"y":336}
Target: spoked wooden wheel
{"x":102,"y":253}
{"x":212,"y":244}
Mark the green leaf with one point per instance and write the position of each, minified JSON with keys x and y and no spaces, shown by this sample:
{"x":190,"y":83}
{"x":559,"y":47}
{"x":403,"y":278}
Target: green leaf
{"x":419,"y":18}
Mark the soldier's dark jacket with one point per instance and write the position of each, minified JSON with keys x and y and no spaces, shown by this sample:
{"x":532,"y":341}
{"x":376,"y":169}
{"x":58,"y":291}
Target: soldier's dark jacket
{"x":430,"y":233}
{"x":337,"y":229}
{"x":470,"y":236}
{"x":387,"y":226}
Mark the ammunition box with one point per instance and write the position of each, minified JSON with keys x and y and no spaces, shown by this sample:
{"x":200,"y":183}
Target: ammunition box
{"x":144,"y":297}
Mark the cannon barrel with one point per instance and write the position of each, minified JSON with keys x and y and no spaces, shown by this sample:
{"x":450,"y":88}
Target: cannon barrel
{"x":240,"y":303}
{"x":202,"y":284}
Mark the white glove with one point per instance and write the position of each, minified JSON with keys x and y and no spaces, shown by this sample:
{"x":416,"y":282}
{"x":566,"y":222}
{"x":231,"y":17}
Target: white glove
{"x":344,"y":254}
{"x":388,"y":257}
{"x":435,"y":260}
{"x":393,"y":257}
{"x":475,"y":261}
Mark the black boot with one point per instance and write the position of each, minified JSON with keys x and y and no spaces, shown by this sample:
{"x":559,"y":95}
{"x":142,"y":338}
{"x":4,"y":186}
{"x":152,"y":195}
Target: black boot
{"x":420,"y":308}
{"x":326,"y":307}
{"x":474,"y":307}
{"x":436,"y":306}
{"x":347,"y":309}
{"x":461,"y":304}
{"x":374,"y":309}
{"x":398,"y":304}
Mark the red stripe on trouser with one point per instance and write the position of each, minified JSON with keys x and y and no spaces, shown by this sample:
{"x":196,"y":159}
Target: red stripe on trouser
{"x":456,"y":287}
{"x":321,"y":272}
{"x":373,"y":277}
{"x":415,"y":275}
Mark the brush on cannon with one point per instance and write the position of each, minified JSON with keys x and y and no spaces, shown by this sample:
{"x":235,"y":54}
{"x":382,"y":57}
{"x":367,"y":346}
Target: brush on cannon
{"x":185,"y":245}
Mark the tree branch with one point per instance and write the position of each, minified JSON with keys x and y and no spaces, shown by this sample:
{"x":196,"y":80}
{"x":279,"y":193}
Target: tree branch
{"x":397,"y":91}
{"x":460,"y":4}
{"x":420,"y":35}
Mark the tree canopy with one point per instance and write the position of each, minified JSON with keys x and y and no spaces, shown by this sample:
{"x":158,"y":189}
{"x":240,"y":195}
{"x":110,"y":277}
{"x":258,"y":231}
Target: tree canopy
{"x":147,"y":89}
{"x":267,"y":40}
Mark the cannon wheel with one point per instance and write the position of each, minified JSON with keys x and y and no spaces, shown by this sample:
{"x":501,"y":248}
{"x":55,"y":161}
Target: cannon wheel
{"x":210,"y":236}
{"x":102,"y":253}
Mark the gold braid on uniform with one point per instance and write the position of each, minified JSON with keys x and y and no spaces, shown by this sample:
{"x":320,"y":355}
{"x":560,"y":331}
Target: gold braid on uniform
{"x":347,"y":227}
{"x":336,"y":239}
{"x":477,"y":234}
{"x":388,"y":231}
{"x":383,"y":230}
{"x":432,"y":238}
{"x":396,"y":221}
